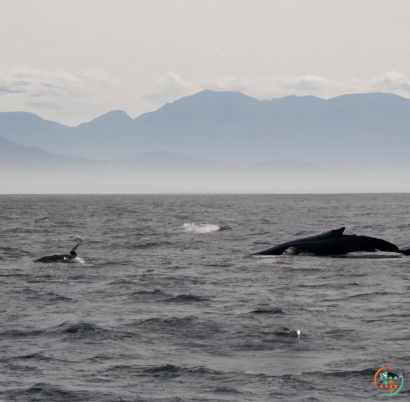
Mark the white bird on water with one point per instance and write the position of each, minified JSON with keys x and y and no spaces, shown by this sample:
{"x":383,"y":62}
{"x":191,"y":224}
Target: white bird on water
{"x":298,"y":333}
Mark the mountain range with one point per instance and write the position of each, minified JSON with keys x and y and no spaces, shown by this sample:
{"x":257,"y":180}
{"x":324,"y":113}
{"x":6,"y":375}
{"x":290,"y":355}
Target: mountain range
{"x":232,"y":127}
{"x":215,"y":142}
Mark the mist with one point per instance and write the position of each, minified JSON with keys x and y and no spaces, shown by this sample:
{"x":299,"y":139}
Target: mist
{"x":105,"y":179}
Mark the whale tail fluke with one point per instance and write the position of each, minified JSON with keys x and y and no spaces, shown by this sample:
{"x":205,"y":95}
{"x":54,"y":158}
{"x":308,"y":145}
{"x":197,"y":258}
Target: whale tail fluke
{"x":405,"y":252}
{"x":72,"y":252}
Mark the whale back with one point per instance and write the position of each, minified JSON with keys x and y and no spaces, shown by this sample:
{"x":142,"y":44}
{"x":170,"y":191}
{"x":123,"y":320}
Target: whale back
{"x":54,"y":258}
{"x":347,"y":244}
{"x":331,"y":234}
{"x":281,"y":248}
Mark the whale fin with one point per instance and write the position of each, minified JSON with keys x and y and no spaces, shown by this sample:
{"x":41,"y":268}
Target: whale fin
{"x":339,"y":232}
{"x":276,"y":250}
{"x":331,"y":234}
{"x":72,"y":252}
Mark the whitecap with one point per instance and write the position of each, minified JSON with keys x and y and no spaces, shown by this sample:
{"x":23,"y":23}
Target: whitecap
{"x":76,"y":260}
{"x":201,"y":227}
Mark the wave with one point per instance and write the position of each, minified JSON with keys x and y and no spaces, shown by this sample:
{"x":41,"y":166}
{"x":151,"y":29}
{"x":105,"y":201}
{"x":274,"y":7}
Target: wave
{"x":40,"y":356}
{"x":186,"y":299}
{"x":225,"y":390}
{"x":49,"y":297}
{"x":275,"y":310}
{"x":17,"y":275}
{"x":148,"y":295}
{"x":171,"y":369}
{"x":86,"y":330}
{"x":51,"y":392}
{"x":342,"y":334}
{"x":122,"y":281}
{"x":186,"y":327}
{"x":351,"y":373}
{"x":81,"y":327}
{"x":149,"y":245}
{"x":16,"y":333}
{"x":203,"y":227}
{"x":164,"y":369}
{"x":168,"y":368}
{"x":177,"y":322}
{"x":52,"y":297}
{"x":148,"y":292}
{"x":361,"y":295}
{"x":174,"y":370}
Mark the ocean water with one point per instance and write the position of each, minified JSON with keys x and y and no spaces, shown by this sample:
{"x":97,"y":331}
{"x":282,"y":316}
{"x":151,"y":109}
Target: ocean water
{"x":163,"y":307}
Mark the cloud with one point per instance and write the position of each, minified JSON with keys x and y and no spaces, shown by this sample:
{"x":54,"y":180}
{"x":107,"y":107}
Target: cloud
{"x":45,"y":106}
{"x":308,"y":83}
{"x":75,"y":97}
{"x":5,"y":90}
{"x":58,"y":86}
{"x":171,"y":87}
{"x":60,"y":95}
{"x":393,"y":82}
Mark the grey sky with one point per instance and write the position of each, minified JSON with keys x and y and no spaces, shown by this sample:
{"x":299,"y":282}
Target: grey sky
{"x":71,"y":61}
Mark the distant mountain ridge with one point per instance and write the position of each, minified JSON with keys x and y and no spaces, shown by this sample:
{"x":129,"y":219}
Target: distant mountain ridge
{"x":16,"y":156}
{"x":230,"y":126}
{"x":31,"y":170}
{"x":26,"y":158}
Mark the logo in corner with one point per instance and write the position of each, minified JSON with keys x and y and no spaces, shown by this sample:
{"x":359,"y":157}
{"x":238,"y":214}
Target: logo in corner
{"x":388,"y":381}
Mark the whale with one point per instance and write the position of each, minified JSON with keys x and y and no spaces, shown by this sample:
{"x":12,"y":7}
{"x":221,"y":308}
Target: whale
{"x":62,"y":258}
{"x":333,"y":243}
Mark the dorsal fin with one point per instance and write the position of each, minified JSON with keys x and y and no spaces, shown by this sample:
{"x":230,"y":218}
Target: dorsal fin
{"x":340,"y":231}
{"x":72,"y":252}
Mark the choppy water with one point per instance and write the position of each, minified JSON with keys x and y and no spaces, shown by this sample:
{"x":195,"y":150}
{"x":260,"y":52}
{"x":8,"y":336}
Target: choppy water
{"x":163,"y":312}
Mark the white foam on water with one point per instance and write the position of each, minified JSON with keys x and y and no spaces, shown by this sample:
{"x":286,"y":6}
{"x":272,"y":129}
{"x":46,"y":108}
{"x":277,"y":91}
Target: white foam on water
{"x":76,"y":260}
{"x":373,"y":255}
{"x":201,"y":227}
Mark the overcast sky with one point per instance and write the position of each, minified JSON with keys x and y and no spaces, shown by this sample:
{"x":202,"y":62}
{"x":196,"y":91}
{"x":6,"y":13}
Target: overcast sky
{"x":70,"y":61}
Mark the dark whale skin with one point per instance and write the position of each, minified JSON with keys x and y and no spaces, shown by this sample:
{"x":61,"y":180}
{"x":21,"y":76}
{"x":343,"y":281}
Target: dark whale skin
{"x":281,"y":248}
{"x":55,"y":258}
{"x":335,"y":242}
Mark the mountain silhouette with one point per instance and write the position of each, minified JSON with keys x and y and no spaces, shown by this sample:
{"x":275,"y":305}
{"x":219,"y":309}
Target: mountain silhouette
{"x":358,"y":129}
{"x":16,"y":156}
